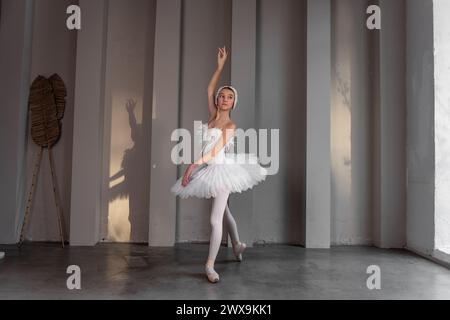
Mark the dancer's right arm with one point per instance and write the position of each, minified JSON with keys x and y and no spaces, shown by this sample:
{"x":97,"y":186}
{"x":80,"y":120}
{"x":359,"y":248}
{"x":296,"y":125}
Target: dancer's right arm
{"x":221,"y":59}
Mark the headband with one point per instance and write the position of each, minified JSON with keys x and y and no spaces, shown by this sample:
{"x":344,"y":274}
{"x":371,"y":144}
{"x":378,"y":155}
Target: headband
{"x":232,"y":89}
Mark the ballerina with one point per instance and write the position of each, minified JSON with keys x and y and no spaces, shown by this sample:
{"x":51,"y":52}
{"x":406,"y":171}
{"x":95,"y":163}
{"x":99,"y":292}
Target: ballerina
{"x":217,"y":172}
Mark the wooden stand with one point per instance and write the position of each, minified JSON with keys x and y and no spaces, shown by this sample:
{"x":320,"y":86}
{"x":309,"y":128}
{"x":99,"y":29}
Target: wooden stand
{"x":59,"y":212}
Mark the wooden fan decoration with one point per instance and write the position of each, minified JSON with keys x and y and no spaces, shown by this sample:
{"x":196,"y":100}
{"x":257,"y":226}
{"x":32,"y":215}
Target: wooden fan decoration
{"x":47,"y":101}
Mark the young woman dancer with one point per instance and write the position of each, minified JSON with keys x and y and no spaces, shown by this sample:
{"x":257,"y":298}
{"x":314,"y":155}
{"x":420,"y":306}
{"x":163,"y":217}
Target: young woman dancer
{"x":217,"y":172}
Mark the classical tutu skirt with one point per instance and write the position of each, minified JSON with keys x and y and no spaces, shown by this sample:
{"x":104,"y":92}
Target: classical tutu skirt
{"x":234,"y":173}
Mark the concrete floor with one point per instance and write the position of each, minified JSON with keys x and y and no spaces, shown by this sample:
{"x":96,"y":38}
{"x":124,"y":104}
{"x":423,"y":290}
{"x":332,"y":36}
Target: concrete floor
{"x":120,"y":271}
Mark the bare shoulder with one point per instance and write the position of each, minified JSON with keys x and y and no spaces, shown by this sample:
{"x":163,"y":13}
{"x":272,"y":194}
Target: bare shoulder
{"x":230,"y":126}
{"x":229,"y":130}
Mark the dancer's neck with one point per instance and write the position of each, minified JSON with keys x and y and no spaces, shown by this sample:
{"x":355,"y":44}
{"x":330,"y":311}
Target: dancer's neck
{"x":223,"y":116}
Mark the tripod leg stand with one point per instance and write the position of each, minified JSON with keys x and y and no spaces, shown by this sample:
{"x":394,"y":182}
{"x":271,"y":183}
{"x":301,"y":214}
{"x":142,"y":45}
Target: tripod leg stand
{"x":58,"y":207}
{"x":37,"y":166}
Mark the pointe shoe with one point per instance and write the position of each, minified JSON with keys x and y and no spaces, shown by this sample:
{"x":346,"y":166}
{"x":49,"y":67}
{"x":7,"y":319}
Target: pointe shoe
{"x":238,"y":250}
{"x":212,"y":275}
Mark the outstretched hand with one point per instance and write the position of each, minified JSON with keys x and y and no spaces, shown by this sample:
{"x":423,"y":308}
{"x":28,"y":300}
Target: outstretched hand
{"x":222,"y":56}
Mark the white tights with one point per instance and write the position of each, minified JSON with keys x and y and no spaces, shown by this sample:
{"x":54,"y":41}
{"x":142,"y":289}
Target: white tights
{"x":220,"y":207}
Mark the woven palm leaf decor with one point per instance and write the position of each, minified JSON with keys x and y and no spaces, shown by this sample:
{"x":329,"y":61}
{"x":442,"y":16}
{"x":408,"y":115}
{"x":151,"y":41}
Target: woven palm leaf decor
{"x":47,"y":102}
{"x":43,"y":113}
{"x":60,"y":93}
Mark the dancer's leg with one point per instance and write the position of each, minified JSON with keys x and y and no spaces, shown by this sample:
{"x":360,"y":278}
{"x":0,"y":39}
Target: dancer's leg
{"x":218,"y":209}
{"x":231,"y":225}
{"x":238,"y":247}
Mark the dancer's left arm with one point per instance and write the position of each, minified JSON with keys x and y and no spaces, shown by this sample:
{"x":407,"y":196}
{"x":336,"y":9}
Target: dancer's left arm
{"x":227,"y":134}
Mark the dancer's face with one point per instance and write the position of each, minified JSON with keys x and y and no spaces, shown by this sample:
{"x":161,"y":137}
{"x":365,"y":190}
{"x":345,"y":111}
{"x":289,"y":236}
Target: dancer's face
{"x":225,"y":100}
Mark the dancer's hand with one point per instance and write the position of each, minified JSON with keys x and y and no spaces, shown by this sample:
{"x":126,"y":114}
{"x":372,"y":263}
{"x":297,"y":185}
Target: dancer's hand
{"x":222,"y":56}
{"x":187,"y":174}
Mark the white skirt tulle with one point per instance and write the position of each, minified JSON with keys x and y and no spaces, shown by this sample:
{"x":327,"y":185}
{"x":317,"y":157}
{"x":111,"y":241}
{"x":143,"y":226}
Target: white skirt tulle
{"x":236,"y":173}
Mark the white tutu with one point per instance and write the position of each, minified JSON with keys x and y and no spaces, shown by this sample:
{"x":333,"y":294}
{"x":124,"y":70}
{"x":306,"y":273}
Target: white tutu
{"x":226,"y":171}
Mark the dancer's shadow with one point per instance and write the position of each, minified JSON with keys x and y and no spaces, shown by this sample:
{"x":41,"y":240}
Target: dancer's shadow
{"x":136,"y":181}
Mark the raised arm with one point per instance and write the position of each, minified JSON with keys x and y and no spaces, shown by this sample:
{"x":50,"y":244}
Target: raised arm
{"x":221,"y":59}
{"x":131,"y":105}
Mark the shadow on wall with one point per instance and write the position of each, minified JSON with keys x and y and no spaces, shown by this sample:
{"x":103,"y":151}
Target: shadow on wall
{"x":131,"y":186}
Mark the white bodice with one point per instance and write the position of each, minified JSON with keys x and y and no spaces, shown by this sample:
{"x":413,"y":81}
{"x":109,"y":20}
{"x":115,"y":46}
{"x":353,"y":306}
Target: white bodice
{"x":209,"y":137}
